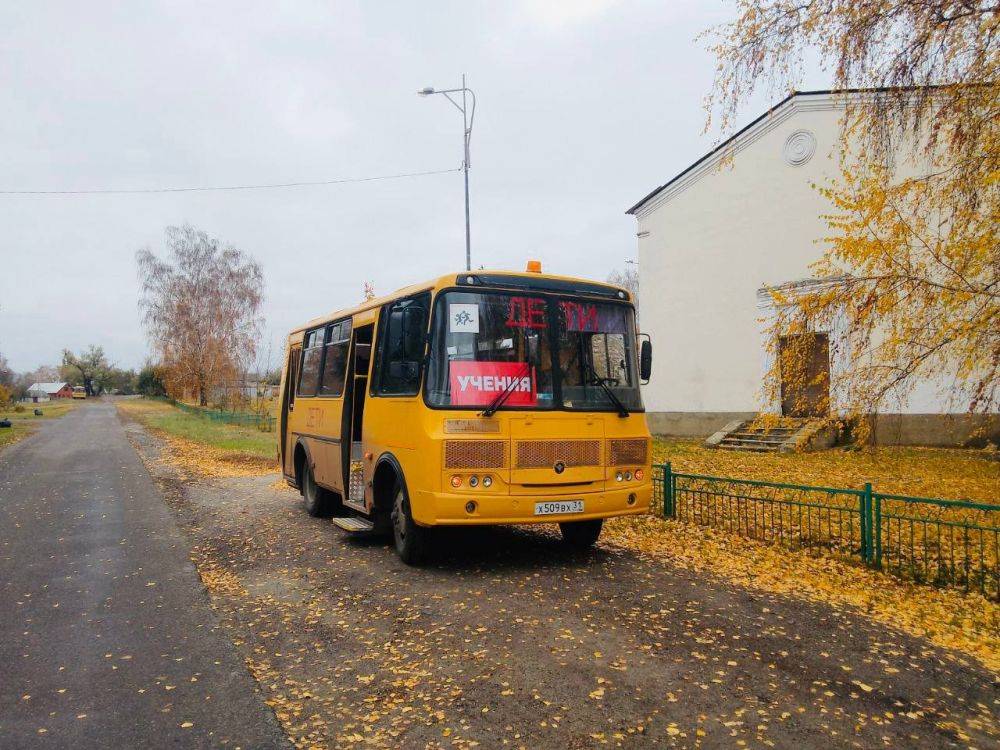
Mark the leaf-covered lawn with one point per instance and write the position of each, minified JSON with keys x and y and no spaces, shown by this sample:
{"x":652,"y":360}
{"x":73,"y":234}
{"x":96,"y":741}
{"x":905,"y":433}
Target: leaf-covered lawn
{"x":956,"y":474}
{"x":204,"y":447}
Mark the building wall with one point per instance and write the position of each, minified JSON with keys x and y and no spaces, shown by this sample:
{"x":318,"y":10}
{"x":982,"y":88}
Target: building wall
{"x":708,"y":243}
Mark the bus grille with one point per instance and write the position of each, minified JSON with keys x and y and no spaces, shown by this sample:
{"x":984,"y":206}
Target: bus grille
{"x":475,"y":454}
{"x":628,"y":452}
{"x":538,"y":454}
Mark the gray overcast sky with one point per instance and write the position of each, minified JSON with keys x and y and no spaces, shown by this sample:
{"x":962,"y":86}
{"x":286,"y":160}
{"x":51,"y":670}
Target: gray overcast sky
{"x":584,"y":106}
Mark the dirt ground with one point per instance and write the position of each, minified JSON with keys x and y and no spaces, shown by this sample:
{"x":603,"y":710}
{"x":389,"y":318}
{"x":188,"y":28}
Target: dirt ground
{"x":506,"y":639}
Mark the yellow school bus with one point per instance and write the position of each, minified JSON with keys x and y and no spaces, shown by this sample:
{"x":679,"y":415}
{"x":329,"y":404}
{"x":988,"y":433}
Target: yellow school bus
{"x":483,"y":397}
{"x":79,"y":391}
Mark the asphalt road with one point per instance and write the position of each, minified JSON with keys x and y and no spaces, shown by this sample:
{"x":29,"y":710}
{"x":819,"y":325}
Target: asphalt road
{"x":107,"y":638}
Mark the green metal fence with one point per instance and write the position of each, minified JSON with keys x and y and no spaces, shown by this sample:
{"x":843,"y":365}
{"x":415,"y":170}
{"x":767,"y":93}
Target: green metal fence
{"x":928,"y":540}
{"x":262,"y":422}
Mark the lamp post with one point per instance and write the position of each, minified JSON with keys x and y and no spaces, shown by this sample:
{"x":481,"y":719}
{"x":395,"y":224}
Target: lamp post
{"x":468,"y":115}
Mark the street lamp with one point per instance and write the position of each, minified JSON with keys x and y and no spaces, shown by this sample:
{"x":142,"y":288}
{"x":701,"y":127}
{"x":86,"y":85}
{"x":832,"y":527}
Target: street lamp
{"x":468,"y":115}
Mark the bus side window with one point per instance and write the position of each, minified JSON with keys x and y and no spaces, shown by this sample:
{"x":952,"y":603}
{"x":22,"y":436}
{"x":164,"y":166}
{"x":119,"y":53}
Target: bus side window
{"x":401,"y":346}
{"x":312,"y":353}
{"x":335,"y":361}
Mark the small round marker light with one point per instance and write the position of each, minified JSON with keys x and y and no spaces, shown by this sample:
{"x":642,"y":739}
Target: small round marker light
{"x":456,"y":481}
{"x":628,"y":476}
{"x":487,"y":481}
{"x":618,"y":477}
{"x":473,"y":481}
{"x":470,"y":507}
{"x":639,"y":474}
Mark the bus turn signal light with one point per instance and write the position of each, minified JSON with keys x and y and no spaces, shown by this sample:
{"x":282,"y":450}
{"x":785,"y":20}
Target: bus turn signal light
{"x":534,"y":266}
{"x":456,"y":481}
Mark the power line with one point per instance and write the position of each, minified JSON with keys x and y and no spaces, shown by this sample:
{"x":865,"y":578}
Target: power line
{"x":270,"y":186}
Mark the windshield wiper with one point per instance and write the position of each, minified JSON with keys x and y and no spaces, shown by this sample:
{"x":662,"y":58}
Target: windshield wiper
{"x":497,"y":402}
{"x":598,"y":380}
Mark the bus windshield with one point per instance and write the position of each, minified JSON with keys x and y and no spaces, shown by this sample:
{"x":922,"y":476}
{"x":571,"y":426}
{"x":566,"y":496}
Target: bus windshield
{"x":548,"y":352}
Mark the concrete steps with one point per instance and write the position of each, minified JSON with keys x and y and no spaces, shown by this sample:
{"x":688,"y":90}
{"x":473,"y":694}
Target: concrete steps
{"x":786,"y":436}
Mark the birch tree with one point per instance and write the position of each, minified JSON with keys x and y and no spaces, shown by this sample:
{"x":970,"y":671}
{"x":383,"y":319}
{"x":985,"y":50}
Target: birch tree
{"x":200,"y":306}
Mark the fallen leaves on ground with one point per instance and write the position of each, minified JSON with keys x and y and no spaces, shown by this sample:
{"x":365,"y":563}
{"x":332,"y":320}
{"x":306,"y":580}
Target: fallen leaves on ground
{"x":508,"y":638}
{"x":206,"y":461}
{"x":965,"y":622}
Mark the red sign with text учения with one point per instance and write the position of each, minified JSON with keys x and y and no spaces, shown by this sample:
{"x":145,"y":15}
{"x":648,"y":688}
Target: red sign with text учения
{"x":478,"y":383}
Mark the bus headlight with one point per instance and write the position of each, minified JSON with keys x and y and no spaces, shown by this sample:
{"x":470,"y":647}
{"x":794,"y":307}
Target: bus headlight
{"x":628,"y":476}
{"x":618,"y":477}
{"x":487,"y":481}
{"x":473,"y":481}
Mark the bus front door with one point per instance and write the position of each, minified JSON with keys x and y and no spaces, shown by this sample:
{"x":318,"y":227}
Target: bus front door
{"x":354,"y":420}
{"x":287,"y":406}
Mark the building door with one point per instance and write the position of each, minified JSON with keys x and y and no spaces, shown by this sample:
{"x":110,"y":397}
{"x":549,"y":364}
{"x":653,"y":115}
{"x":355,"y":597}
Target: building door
{"x":805,"y":375}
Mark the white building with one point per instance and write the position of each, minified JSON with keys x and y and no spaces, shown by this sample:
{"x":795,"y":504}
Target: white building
{"x":744,"y":216}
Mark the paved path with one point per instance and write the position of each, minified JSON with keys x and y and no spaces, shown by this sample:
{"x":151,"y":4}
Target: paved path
{"x":106,"y":635}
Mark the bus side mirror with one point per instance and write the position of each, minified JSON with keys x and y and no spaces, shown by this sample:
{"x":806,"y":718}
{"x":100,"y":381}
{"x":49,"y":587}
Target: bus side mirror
{"x":645,"y":360}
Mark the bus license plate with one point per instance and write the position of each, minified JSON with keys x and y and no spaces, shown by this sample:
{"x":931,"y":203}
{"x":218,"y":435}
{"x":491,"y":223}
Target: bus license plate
{"x":558,"y":506}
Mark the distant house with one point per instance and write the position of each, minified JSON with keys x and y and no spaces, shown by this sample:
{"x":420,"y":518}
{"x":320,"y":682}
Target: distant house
{"x":249,"y":387}
{"x":44,"y":391}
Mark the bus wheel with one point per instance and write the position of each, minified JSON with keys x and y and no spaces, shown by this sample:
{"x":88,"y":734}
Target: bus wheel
{"x":408,"y":537}
{"x":581,"y":534}
{"x":318,"y":500}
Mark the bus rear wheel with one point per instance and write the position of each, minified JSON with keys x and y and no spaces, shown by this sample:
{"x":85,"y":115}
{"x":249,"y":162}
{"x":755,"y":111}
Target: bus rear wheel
{"x":410,"y":540}
{"x":581,"y":534}
{"x":319,"y":502}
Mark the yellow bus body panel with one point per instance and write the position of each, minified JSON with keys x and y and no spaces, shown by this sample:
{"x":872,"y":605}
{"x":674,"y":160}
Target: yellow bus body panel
{"x":418,"y":436}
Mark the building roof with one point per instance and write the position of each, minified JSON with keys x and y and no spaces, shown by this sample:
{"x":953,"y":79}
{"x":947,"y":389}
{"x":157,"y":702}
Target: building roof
{"x":48,"y":387}
{"x":718,"y":150}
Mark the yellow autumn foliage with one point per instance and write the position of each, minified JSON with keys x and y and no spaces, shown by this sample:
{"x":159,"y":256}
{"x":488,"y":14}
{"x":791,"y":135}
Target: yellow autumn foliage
{"x":909,"y":274}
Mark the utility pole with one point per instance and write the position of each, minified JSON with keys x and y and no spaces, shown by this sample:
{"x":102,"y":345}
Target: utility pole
{"x":468,"y":117}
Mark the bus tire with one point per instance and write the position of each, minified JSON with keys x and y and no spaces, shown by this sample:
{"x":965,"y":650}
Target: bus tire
{"x":581,"y":534}
{"x":318,"y":501}
{"x":409,"y":539}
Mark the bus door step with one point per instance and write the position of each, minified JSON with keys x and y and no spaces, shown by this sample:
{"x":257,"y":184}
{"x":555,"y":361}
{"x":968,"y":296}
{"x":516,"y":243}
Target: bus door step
{"x":353,"y":524}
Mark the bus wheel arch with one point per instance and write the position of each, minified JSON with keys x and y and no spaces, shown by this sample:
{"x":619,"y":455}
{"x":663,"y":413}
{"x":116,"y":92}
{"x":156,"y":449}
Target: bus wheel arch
{"x":300,"y":458}
{"x":388,"y":473}
{"x":392,"y":501}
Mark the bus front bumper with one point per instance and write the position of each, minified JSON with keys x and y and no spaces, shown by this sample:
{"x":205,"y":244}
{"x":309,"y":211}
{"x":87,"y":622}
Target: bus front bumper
{"x":453,"y":509}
